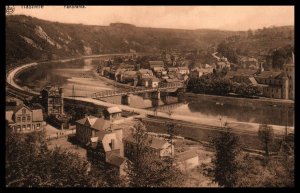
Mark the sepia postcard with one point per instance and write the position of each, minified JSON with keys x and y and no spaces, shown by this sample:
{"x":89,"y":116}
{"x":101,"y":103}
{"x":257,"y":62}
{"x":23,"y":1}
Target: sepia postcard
{"x":149,"y":96}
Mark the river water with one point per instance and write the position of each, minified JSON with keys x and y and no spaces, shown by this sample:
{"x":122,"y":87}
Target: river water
{"x":78,"y":77}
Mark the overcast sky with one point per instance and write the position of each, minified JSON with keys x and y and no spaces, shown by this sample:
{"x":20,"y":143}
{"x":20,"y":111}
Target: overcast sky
{"x":180,"y":17}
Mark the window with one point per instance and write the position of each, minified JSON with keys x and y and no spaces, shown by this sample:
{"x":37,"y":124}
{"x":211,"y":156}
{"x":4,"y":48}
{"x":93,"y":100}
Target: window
{"x":28,"y":127}
{"x":18,"y":119}
{"x":38,"y":126}
{"x":18,"y":128}
{"x":23,"y":127}
{"x":23,"y":111}
{"x":28,"y":118}
{"x":23,"y":119}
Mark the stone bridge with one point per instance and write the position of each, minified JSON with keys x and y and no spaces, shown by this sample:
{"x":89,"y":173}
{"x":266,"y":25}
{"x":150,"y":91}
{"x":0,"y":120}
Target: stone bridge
{"x":126,"y":93}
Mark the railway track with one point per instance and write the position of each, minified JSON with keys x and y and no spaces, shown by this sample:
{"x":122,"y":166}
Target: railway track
{"x":18,"y":93}
{"x":200,"y":126}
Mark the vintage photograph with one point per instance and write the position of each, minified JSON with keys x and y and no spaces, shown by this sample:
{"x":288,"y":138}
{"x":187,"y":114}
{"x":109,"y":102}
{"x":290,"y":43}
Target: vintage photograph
{"x":149,"y":96}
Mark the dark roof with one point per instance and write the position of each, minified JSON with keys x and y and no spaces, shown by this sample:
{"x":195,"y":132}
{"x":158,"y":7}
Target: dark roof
{"x":156,"y":63}
{"x":51,"y":88}
{"x":145,"y":71}
{"x":290,"y":60}
{"x":185,"y":155}
{"x":101,"y":134}
{"x":156,"y":143}
{"x":268,"y":74}
{"x":17,"y":108}
{"x":183,"y":68}
{"x":101,"y":124}
{"x":172,"y":80}
{"x":129,"y":73}
{"x":158,"y":68}
{"x":154,"y":79}
{"x":241,"y":72}
{"x":10,"y":108}
{"x":172,"y":69}
{"x":95,"y":123}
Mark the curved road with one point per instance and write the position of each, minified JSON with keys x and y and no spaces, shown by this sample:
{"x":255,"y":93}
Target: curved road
{"x":245,"y":126}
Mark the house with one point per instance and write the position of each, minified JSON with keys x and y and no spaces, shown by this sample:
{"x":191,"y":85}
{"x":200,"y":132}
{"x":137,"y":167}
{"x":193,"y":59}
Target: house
{"x":275,"y":84}
{"x":52,"y":100}
{"x":186,"y":160}
{"x":249,"y":62}
{"x":106,"y":150}
{"x":158,"y":148}
{"x":104,"y":71}
{"x":198,"y":72}
{"x":169,"y":81}
{"x":172,"y":69}
{"x":153,"y":64}
{"x":143,"y":76}
{"x":144,"y":73}
{"x":129,"y":77}
{"x":159,"y":71}
{"x":154,"y":82}
{"x":53,"y":103}
{"x":183,"y":70}
{"x":89,"y":127}
{"x":24,"y":119}
{"x":112,"y":113}
{"x":241,"y":75}
{"x":118,"y":74}
{"x":221,"y":65}
{"x":289,"y":69}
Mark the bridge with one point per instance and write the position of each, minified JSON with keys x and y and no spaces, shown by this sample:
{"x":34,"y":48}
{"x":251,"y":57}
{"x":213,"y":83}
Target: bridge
{"x":110,"y":93}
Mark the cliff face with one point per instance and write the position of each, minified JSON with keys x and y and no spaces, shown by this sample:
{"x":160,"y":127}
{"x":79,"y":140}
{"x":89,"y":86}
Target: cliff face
{"x":30,"y":38}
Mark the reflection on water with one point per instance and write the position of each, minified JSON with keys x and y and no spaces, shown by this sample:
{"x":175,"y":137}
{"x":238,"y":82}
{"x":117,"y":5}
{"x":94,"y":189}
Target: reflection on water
{"x":228,"y":112}
{"x":78,"y":77}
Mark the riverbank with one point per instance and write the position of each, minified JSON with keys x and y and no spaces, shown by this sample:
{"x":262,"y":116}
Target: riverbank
{"x":239,"y":101}
{"x":244,"y":126}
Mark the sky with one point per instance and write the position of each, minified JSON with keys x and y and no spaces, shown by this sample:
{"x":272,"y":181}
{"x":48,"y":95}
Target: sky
{"x":178,"y":17}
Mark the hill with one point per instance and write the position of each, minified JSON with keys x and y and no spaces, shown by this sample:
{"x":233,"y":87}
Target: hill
{"x":29,"y":38}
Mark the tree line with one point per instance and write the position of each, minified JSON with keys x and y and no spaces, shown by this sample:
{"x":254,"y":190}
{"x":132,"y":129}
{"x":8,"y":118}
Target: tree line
{"x":220,"y":85}
{"x":30,"y":163}
{"x":231,"y":167}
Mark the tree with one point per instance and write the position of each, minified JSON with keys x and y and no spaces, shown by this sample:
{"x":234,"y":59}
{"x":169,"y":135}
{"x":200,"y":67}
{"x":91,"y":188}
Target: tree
{"x":144,"y":169}
{"x":29,"y":163}
{"x":225,"y":165}
{"x":266,"y":135}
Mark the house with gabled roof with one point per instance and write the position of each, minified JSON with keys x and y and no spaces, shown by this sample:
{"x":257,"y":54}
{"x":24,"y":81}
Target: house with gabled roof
{"x":22,"y":118}
{"x":186,"y":160}
{"x":158,"y":147}
{"x":106,"y":150}
{"x":89,"y":127}
{"x":112,"y":113}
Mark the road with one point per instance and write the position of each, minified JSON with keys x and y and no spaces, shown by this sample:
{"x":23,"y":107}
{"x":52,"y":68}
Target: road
{"x":243,"y":126}
{"x":211,"y":122}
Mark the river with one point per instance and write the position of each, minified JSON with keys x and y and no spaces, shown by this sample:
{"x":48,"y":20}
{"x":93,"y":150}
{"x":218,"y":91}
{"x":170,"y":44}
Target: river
{"x":78,"y":77}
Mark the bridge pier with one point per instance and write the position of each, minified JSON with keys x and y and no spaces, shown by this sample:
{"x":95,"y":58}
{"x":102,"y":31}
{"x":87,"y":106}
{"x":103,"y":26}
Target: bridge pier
{"x":155,"y":95}
{"x":180,"y":94}
{"x":125,"y":100}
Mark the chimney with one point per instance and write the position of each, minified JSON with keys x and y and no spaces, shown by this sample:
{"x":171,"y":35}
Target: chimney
{"x":112,"y":144}
{"x":261,"y":69}
{"x":61,"y":93}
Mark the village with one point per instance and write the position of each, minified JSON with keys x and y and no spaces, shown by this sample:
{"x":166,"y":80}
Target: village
{"x":106,"y":138}
{"x":110,"y":101}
